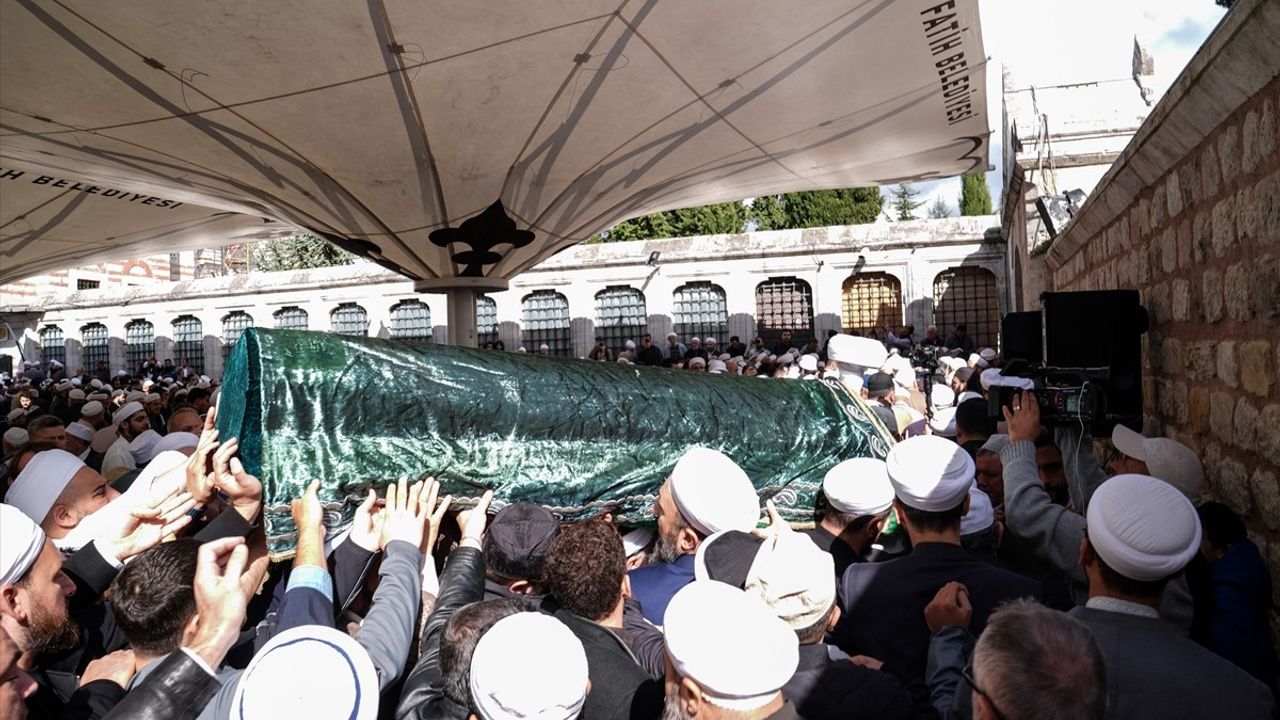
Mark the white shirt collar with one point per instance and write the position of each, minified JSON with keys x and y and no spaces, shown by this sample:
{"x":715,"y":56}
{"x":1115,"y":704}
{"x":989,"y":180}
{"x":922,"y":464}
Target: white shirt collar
{"x":1124,"y":607}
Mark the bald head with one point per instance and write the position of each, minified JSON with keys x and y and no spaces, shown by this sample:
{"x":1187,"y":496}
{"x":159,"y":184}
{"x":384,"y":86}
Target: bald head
{"x":185,"y":419}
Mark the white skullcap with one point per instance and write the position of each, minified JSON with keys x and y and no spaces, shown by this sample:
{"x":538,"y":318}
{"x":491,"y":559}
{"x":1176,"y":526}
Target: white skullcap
{"x":794,"y":578}
{"x":100,"y":396}
{"x":729,"y":643}
{"x":15,"y":413}
{"x":117,"y":393}
{"x":143,"y":446}
{"x":1166,"y":459}
{"x":126,"y":412}
{"x":205,"y":379}
{"x":23,"y":540}
{"x":175,"y":441}
{"x":63,"y":386}
{"x":76,"y":381}
{"x":999,"y":379}
{"x":864,"y":352}
{"x":981,"y":515}
{"x":636,"y":540}
{"x":544,"y":346}
{"x":528,"y":666}
{"x":930,"y":473}
{"x":341,"y":680}
{"x":181,"y":393}
{"x":905,"y":378}
{"x":136,"y":395}
{"x":95,"y":383}
{"x":122,"y":373}
{"x":697,"y":360}
{"x":713,"y":493}
{"x":995,"y":444}
{"x":42,"y":481}
{"x":858,"y":486}
{"x":724,"y":357}
{"x":942,"y":396}
{"x":709,"y":341}
{"x":943,"y":422}
{"x":16,"y":437}
{"x":76,"y":394}
{"x":987,"y":354}
{"x":55,"y":363}
{"x":715,"y":367}
{"x":988,"y":376}
{"x":809,"y":363}
{"x":968,"y":395}
{"x":204,"y":385}
{"x":151,"y":397}
{"x":630,"y":344}
{"x":671,"y":335}
{"x":80,"y":430}
{"x":521,"y":349}
{"x":93,"y":408}
{"x":1142,"y":527}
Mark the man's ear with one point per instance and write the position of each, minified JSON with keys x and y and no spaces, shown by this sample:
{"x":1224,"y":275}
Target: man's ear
{"x":11,"y":603}
{"x":63,"y":516}
{"x":1087,"y":555}
{"x":687,"y":540}
{"x":626,"y":586}
{"x":965,"y":511}
{"x":520,"y":587}
{"x":833,"y":618}
{"x":189,"y":630}
{"x":690,"y":697}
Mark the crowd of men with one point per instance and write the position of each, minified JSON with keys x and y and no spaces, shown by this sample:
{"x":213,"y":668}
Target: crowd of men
{"x":987,"y":567}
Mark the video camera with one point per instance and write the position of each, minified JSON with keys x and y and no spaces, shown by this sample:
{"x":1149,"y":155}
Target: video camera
{"x":1083,"y":352}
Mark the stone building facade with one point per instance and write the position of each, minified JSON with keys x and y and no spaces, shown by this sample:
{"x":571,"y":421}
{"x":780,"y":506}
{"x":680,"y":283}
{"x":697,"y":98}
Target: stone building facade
{"x":1190,"y":215}
{"x":946,"y":271}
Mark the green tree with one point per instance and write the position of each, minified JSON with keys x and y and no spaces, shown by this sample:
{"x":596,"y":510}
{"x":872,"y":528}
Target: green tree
{"x":298,"y":252}
{"x":975,"y":198}
{"x":816,"y":208}
{"x":720,"y":218}
{"x":904,"y":201}
{"x":939,"y":208}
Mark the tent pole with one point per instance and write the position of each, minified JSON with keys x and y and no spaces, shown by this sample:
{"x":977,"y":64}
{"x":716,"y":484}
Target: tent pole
{"x":462,"y":316}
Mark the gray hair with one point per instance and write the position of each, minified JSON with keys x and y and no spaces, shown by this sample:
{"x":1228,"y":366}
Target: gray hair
{"x":1034,"y":662}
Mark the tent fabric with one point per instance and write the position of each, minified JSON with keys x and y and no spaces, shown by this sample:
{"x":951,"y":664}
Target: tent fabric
{"x":577,"y":437}
{"x":130,"y":126}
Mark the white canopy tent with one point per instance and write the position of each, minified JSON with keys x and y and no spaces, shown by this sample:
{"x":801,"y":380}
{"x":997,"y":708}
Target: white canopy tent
{"x":132,"y":126}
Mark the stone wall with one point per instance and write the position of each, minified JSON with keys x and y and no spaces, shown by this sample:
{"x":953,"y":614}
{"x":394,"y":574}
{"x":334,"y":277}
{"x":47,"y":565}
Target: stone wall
{"x":1190,"y":215}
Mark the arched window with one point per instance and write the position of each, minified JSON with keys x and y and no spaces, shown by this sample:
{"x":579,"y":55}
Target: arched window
{"x":140,"y":344}
{"x":545,"y":316}
{"x":967,"y":295}
{"x":290,"y":318}
{"x":411,"y":320}
{"x":349,"y":319}
{"x":93,"y":341}
{"x":620,"y":316}
{"x":188,"y":343}
{"x":784,"y":304}
{"x":871,"y":300}
{"x":234,"y":324}
{"x":486,"y":320}
{"x":53,"y":346}
{"x":701,"y":311}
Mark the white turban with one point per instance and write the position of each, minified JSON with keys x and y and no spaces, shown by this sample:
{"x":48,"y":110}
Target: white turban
{"x":81,"y":431}
{"x":636,"y":540}
{"x":151,"y":397}
{"x":95,"y":383}
{"x":809,"y":363}
{"x":341,"y":680}
{"x":16,"y":437}
{"x":995,"y":444}
{"x":709,"y":341}
{"x":999,"y":379}
{"x":942,"y":396}
{"x":63,"y":386}
{"x":93,"y":408}
{"x":76,"y":394}
{"x":713,"y":493}
{"x":42,"y":481}
{"x":987,"y":354}
{"x":860,"y":351}
{"x":988,"y":377}
{"x":124,"y":413}
{"x":858,"y":486}
{"x":136,"y":396}
{"x":1166,"y":459}
{"x":21,"y":541}
{"x":794,"y":577}
{"x":943,"y":422}
{"x":785,"y":359}
{"x":529,"y":666}
{"x":968,"y":395}
{"x":15,"y":413}
{"x":715,"y":367}
{"x":631,"y":345}
{"x":1143,"y":528}
{"x":76,"y":381}
{"x":981,"y":514}
{"x":729,"y":643}
{"x":694,"y":340}
{"x":930,"y":473}
{"x":143,"y":446}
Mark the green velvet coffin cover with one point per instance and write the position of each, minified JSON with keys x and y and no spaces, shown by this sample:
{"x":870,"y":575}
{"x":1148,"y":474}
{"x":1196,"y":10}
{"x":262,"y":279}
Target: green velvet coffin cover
{"x":578,"y":437}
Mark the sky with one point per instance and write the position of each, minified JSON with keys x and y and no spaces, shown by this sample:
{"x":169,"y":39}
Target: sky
{"x":1050,"y":42}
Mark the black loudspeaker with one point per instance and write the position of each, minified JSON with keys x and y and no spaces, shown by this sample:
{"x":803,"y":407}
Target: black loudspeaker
{"x":1020,"y":337}
{"x":1100,"y":329}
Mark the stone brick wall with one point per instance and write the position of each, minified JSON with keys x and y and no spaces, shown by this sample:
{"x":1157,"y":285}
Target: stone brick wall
{"x":1201,"y":242}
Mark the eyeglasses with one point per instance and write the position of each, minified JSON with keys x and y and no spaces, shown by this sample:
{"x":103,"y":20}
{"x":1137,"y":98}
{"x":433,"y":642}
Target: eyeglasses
{"x":967,"y":672}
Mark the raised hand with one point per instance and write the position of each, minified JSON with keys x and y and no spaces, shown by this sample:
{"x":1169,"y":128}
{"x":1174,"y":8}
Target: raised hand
{"x":950,"y":606}
{"x":220,"y":598}
{"x":146,"y":526}
{"x":1024,"y":420}
{"x":243,"y":489}
{"x":366,"y":526}
{"x":200,"y":481}
{"x":403,"y":518}
{"x":472,"y":522}
{"x":435,"y":512}
{"x":118,"y":667}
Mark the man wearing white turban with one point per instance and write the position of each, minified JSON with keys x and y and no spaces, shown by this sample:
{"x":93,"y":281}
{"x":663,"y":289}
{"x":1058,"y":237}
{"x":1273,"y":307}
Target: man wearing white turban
{"x":1142,"y":533}
{"x":854,"y":506}
{"x":706,"y":492}
{"x":131,"y":421}
{"x":57,"y":490}
{"x":882,"y":603}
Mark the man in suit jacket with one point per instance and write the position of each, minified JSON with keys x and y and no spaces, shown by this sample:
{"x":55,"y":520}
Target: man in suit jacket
{"x":1142,"y":532}
{"x":882,"y":604}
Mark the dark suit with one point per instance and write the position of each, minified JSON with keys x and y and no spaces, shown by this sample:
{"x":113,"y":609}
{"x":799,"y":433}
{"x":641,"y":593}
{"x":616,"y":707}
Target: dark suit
{"x":653,"y":586}
{"x":1153,"y":672}
{"x":620,"y":688}
{"x":883,"y":603}
{"x":823,"y":688}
